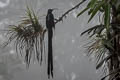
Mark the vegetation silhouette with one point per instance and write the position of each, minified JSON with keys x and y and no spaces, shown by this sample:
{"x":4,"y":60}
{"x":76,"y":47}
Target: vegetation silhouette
{"x":28,"y":37}
{"x":106,"y":38}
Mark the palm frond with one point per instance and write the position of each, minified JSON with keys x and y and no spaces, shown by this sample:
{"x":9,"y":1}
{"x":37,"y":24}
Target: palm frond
{"x":94,"y":30}
{"x":28,"y":37}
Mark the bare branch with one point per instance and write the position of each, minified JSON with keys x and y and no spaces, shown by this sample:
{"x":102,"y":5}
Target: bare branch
{"x":67,"y":12}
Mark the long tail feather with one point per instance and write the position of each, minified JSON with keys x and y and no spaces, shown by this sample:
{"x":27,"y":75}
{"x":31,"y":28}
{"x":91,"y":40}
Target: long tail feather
{"x":50,"y":55}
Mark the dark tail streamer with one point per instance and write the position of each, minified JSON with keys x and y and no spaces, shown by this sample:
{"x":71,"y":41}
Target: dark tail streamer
{"x":50,"y":55}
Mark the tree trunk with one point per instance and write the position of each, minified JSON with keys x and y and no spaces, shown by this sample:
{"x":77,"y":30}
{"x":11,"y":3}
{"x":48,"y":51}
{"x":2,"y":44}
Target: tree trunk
{"x":114,"y":62}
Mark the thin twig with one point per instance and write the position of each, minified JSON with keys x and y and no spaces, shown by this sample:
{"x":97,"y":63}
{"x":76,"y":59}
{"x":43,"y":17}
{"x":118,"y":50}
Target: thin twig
{"x":67,"y":12}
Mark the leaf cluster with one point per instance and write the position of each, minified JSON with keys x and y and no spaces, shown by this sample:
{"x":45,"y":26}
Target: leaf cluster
{"x":28,"y":37}
{"x":104,"y":34}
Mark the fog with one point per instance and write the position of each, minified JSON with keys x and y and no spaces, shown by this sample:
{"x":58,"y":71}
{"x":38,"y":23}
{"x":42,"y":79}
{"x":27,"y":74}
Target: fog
{"x":70,"y":62}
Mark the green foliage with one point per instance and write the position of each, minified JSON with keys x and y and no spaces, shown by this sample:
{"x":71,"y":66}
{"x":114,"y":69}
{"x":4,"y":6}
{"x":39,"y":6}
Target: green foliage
{"x":28,"y":37}
{"x":95,"y":6}
{"x":106,"y":35}
{"x":95,"y":9}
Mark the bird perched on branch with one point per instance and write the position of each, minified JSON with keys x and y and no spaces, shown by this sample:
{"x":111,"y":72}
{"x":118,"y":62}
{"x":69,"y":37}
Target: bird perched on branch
{"x":50,"y":24}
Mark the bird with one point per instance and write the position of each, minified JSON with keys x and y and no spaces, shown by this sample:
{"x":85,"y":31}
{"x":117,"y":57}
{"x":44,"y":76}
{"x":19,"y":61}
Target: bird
{"x":50,"y":25}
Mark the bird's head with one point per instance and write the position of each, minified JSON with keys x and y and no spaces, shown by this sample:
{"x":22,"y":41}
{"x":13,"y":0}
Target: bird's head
{"x":51,"y":10}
